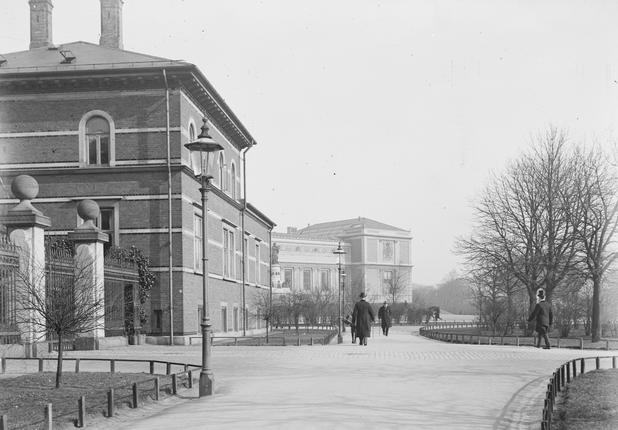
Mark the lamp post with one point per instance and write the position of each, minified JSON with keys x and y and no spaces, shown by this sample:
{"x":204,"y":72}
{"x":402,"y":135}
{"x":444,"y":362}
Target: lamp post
{"x":338,"y":252}
{"x":205,"y":143}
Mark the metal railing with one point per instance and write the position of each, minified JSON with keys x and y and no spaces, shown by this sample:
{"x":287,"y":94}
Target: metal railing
{"x":559,"y":380}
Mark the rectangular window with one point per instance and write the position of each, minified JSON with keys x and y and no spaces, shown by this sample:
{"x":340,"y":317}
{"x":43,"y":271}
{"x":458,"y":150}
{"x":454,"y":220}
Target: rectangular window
{"x":104,"y":145}
{"x":197,"y":242}
{"x":229,"y":251}
{"x":235,"y":319}
{"x":92,"y":150}
{"x":224,"y":318}
{"x":307,"y":279}
{"x":257,"y":263}
{"x":106,"y":222}
{"x":324,"y":279}
{"x":288,"y":275}
{"x":387,"y":279}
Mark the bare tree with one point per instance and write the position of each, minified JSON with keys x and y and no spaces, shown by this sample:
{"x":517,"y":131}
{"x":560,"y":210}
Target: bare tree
{"x":264,"y":308}
{"x":67,"y":305}
{"x":521,"y":222}
{"x":593,"y":212}
{"x":397,"y":285}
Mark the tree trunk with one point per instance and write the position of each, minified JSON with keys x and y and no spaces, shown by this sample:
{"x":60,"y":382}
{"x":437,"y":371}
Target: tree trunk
{"x":59,"y":362}
{"x":596,"y":308}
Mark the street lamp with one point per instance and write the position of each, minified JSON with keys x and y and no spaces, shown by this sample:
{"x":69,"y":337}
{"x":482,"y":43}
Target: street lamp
{"x":205,"y":143}
{"x":338,"y":252}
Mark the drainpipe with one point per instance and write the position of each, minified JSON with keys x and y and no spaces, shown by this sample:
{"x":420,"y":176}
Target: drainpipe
{"x":169,"y":206}
{"x":244,"y":250}
{"x":270,"y":281}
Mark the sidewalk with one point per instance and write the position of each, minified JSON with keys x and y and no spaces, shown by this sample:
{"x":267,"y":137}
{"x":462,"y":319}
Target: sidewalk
{"x":399,"y":381}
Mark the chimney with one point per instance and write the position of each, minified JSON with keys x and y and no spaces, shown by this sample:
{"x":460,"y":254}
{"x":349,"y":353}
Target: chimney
{"x":40,"y":23}
{"x":111,"y":23}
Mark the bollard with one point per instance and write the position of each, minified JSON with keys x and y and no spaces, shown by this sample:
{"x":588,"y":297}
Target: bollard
{"x":156,"y":388}
{"x":479,"y":339}
{"x":581,"y":343}
{"x":235,"y":341}
{"x":152,"y":367}
{"x":40,"y":364}
{"x":558,"y":343}
{"x":168,"y":368}
{"x":77,"y":365}
{"x":110,"y":403}
{"x":48,"y":416}
{"x":112,"y":366}
{"x":311,"y":341}
{"x":190,"y":375}
{"x":582,"y":366}
{"x":135,"y":395}
{"x":614,"y":361}
{"x":488,"y":340}
{"x":284,"y":340}
{"x":598,"y":362}
{"x":174,"y":384}
{"x":517,"y":340}
{"x":298,"y":341}
{"x":3,"y":364}
{"x":574,"y":363}
{"x":81,"y":411}
{"x":568,"y":373}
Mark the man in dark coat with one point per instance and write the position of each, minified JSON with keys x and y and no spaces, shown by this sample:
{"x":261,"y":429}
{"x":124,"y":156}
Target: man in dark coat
{"x":362,"y":317}
{"x":543,"y":316}
{"x":384,"y":314}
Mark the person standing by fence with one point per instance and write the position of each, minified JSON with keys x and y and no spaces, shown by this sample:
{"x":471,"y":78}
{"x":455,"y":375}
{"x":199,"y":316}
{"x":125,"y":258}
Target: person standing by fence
{"x":544,"y":318}
{"x":362,"y":317}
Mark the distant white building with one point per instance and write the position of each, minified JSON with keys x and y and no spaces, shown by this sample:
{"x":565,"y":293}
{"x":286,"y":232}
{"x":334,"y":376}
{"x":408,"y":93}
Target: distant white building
{"x":377,"y":259}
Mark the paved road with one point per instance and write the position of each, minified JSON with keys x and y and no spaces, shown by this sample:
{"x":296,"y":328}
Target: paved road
{"x":399,"y":381}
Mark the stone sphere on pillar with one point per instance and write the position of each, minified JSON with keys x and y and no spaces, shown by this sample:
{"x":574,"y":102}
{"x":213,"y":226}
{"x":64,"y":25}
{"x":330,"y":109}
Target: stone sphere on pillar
{"x":25,"y":187}
{"x":88,"y":210}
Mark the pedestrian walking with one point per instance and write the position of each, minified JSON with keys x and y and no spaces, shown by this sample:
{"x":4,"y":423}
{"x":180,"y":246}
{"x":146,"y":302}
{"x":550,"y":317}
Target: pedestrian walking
{"x":384,"y":314}
{"x":362,"y":317}
{"x":544,"y":318}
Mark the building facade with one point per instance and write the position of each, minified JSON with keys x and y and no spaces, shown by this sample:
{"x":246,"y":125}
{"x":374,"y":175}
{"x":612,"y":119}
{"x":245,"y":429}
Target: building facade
{"x":97,"y":122}
{"x":377,"y":260}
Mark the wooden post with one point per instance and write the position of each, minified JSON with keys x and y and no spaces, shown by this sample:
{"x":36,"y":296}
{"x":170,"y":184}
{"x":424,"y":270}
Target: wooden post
{"x":190,"y":375}
{"x":3,"y":361}
{"x":40,"y":365}
{"x":110,"y":403}
{"x":598,"y":362}
{"x":4,"y":422}
{"x":606,"y":345}
{"x":568,"y":372}
{"x":517,"y":340}
{"x":581,"y":343}
{"x":48,"y":416}
{"x":135,"y":395}
{"x":168,"y":368}
{"x":582,"y":366}
{"x":574,"y":363}
{"x":235,"y":341}
{"x":174,"y":384}
{"x":81,"y":411}
{"x":614,"y":361}
{"x":152,"y":367}
{"x":77,"y":365}
{"x":311,"y":340}
{"x":298,"y":341}
{"x":156,"y":388}
{"x":112,"y":366}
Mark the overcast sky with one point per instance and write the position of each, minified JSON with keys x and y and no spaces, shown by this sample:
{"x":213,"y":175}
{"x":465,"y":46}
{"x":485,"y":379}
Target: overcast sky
{"x":392,"y":110}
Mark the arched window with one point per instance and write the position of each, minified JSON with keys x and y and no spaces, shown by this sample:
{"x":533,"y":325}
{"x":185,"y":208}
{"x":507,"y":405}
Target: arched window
{"x":233,"y":180}
{"x":97,"y":138}
{"x":222,"y":172}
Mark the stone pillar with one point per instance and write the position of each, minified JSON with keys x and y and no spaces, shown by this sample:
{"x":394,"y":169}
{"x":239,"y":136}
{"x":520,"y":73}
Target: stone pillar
{"x":89,"y":266}
{"x":26,"y":225}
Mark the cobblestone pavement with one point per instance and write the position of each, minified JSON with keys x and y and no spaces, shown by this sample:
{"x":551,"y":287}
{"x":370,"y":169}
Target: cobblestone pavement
{"x":399,"y":381}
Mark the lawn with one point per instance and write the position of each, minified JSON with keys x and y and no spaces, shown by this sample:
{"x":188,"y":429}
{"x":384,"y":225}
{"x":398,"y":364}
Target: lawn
{"x":23,"y":398}
{"x":589,"y":403}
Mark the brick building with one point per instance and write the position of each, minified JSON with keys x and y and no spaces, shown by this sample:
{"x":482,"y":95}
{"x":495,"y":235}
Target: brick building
{"x":98,"y":122}
{"x":377,"y":259}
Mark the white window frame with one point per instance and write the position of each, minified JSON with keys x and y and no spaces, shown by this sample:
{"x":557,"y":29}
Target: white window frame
{"x":257,"y":263}
{"x":229,"y":253}
{"x":83,"y":139}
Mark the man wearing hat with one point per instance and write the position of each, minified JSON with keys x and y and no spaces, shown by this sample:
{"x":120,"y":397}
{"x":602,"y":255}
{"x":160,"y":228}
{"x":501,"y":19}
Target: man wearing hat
{"x":384,"y":314}
{"x":544,"y":318}
{"x":362,"y":317}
